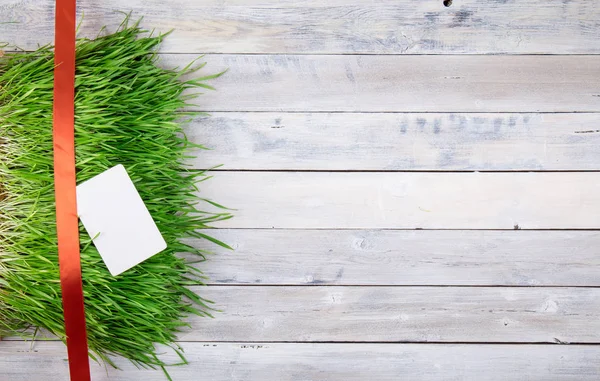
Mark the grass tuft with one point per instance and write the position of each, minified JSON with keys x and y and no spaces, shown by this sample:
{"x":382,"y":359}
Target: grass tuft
{"x":127,"y":111}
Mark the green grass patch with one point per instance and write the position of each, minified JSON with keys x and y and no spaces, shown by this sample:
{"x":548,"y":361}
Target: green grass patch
{"x":127,"y":111}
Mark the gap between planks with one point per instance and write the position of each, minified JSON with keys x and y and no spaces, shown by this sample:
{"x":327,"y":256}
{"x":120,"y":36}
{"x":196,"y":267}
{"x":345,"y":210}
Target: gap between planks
{"x":51,"y":339}
{"x":217,"y":170}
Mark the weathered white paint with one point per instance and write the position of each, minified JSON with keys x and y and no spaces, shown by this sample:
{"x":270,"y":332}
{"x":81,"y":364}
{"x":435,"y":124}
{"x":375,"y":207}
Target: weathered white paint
{"x":340,"y":26}
{"x":408,"y":200}
{"x":393,"y":314}
{"x":387,"y":257}
{"x":325,"y":362}
{"x":375,"y":83}
{"x":318,"y":138}
{"x":397,"y":141}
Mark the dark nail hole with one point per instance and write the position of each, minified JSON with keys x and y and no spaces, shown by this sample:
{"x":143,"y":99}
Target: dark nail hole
{"x":447,"y":3}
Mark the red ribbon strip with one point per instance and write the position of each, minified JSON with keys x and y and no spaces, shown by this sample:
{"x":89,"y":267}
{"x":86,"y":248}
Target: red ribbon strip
{"x":67,"y":223}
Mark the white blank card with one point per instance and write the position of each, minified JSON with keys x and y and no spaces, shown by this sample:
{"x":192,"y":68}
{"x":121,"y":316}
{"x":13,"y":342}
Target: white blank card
{"x":117,"y":220}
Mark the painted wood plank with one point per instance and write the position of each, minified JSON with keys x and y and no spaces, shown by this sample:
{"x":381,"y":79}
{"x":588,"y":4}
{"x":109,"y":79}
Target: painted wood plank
{"x":341,"y":26}
{"x":387,"y":257}
{"x":391,"y":141}
{"x":351,"y":257}
{"x":371,"y":83}
{"x":427,"y":200}
{"x":349,"y":83}
{"x":327,"y":362}
{"x":399,"y":314}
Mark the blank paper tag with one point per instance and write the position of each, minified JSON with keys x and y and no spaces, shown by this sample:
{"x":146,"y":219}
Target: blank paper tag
{"x":113,"y":212}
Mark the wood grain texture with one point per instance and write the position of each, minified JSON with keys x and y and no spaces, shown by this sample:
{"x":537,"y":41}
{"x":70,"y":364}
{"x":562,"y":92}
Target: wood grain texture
{"x":326,"y":362}
{"x":341,"y":26}
{"x":371,"y":257}
{"x":392,"y":141}
{"x":398,"y":314}
{"x":351,"y":83}
{"x":343,"y":85}
{"x":408,"y":200}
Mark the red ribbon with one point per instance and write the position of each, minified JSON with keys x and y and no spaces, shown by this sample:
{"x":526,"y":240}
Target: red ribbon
{"x":67,"y":223}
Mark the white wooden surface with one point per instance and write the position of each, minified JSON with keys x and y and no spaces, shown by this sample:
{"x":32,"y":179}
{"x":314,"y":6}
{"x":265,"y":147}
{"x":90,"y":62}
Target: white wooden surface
{"x":328,"y":362}
{"x":383,"y":83}
{"x":397,"y":141}
{"x":384,"y":100}
{"x":397,"y":314}
{"x":339,"y":26}
{"x":405,"y":200}
{"x":404,"y":257}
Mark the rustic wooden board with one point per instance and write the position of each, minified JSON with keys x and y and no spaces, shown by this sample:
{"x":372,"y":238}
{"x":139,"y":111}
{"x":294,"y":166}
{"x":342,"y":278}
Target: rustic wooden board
{"x":397,"y":141}
{"x":387,"y":257}
{"x":316,"y":106}
{"x":327,"y":362}
{"x":341,"y":26}
{"x":374,"y":83}
{"x":399,"y":314}
{"x":409,"y":200}
{"x":368,"y":258}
